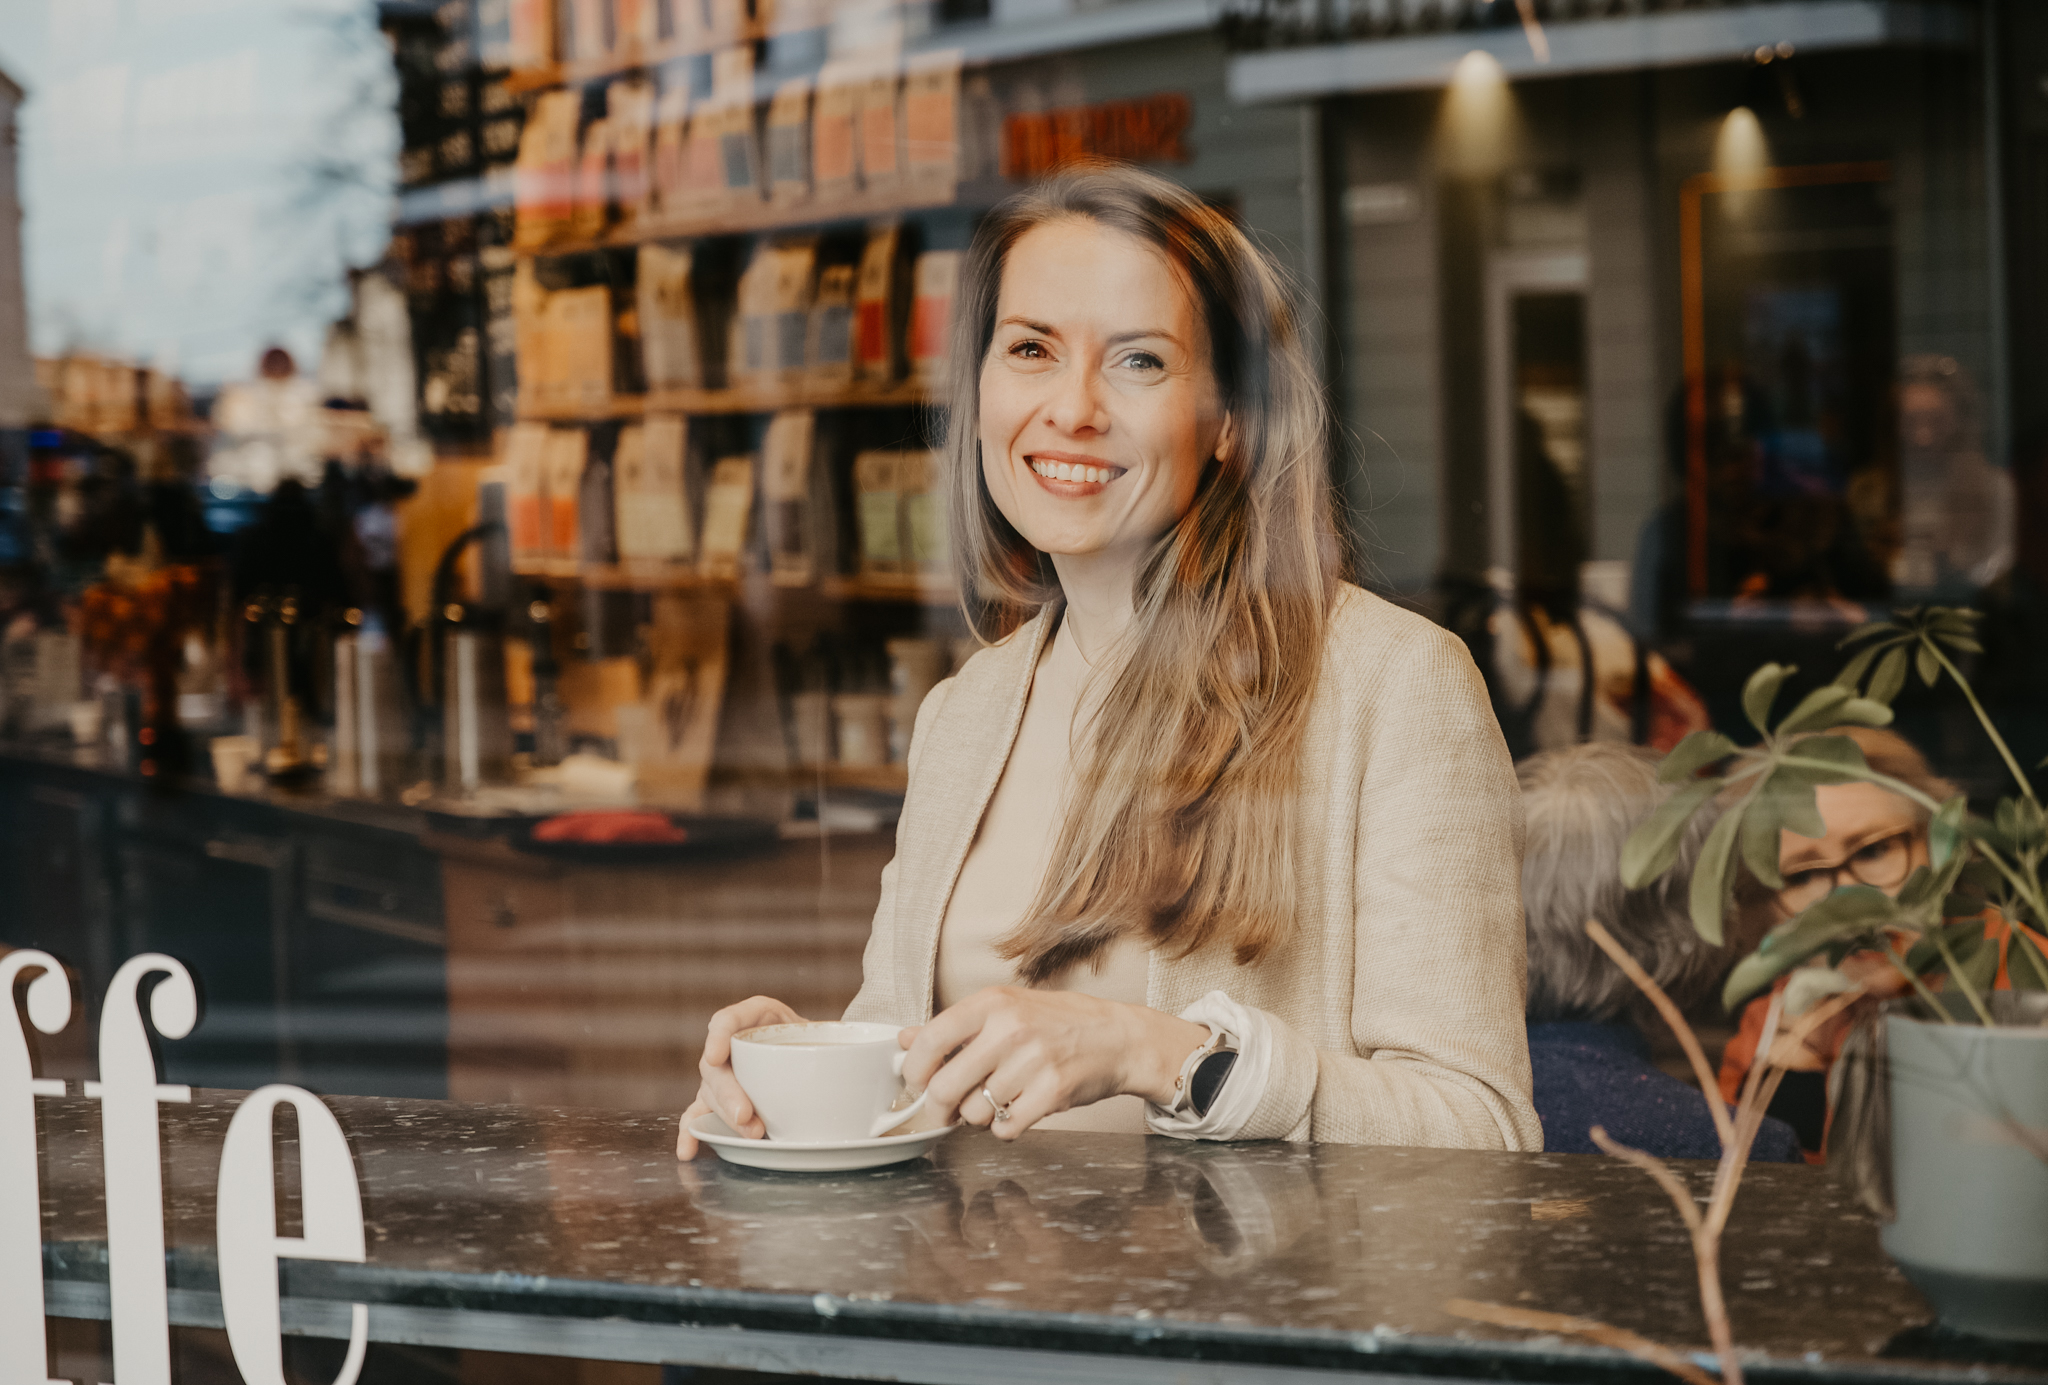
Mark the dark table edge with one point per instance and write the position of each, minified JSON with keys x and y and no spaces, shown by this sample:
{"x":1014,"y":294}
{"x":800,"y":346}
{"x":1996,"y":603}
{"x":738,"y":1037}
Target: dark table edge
{"x":316,"y":1291}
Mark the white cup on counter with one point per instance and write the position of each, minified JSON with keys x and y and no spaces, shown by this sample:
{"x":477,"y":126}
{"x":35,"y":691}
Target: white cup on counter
{"x":233,"y":756}
{"x":825,"y":1082}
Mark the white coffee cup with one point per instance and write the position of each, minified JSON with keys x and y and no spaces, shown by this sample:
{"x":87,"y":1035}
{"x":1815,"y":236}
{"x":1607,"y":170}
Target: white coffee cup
{"x":825,"y":1082}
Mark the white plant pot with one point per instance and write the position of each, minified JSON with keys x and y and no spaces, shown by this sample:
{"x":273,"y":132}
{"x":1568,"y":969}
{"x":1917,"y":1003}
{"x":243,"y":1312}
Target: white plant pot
{"x":1972,"y":1196}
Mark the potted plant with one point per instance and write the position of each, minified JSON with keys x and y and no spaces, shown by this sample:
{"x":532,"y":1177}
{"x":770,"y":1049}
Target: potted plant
{"x":1961,"y":1160}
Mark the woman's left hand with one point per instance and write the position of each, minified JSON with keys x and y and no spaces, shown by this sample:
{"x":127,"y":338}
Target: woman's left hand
{"x":1041,"y":1052}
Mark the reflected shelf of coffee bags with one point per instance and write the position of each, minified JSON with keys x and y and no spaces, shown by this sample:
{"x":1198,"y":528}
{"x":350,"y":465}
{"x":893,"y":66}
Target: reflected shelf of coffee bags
{"x":885,"y":778}
{"x":634,"y":56}
{"x":904,"y":394}
{"x":747,"y":214}
{"x":925,"y":589}
{"x":930,"y":589}
{"x":624,"y":576}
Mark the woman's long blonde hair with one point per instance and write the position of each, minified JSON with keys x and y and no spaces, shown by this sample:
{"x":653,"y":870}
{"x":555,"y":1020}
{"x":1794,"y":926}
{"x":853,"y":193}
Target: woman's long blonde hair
{"x":1180,"y":825}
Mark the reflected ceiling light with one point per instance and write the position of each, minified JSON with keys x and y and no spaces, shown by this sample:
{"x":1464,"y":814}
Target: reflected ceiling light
{"x":1477,"y":112}
{"x":1740,"y":149}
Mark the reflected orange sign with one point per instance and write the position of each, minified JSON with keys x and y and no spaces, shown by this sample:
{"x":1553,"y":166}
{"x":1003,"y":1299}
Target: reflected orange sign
{"x":1151,"y":129}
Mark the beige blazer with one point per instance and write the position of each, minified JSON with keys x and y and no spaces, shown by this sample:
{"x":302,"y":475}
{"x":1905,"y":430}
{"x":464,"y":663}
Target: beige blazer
{"x":1398,"y":1003}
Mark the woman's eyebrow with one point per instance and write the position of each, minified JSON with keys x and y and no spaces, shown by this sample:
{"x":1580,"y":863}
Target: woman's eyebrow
{"x":1043,"y":329}
{"x":1160,"y":332}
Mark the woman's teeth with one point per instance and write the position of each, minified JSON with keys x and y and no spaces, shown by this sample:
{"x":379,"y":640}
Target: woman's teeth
{"x":1070,"y":471}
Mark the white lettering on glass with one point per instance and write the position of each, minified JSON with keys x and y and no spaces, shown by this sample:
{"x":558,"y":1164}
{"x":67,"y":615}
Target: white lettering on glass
{"x":246,"y":1227}
{"x":24,"y":1350}
{"x":128,"y":1093}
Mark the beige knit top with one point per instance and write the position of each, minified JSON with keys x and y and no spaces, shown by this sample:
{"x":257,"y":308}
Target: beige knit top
{"x":1396,"y":1008}
{"x":1007,"y":862}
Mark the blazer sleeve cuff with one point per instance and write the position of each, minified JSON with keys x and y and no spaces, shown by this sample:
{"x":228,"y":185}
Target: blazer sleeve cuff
{"x":1262,"y":1099}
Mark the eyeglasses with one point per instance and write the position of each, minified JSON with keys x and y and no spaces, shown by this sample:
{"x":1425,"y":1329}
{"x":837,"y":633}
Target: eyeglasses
{"x":1884,"y":864}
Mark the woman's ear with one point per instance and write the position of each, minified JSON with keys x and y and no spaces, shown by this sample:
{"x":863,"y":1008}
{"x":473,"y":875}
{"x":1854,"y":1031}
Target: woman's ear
{"x":1226,"y":441}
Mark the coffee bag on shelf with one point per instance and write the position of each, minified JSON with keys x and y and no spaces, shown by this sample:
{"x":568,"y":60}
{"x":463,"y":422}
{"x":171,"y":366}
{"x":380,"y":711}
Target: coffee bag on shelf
{"x":636,"y":29}
{"x":878,"y":307}
{"x":931,"y":315}
{"x":739,"y":140}
{"x":931,"y":127}
{"x":597,"y":535}
{"x":567,"y":453}
{"x":925,"y":549}
{"x":531,"y":337}
{"x":580,"y":323}
{"x":629,"y":113}
{"x":531,"y":34}
{"x":650,"y":482}
{"x":750,"y":352}
{"x":704,"y":196}
{"x":789,"y":144}
{"x":671,"y":153}
{"x":877,"y":499}
{"x":788,"y":496}
{"x":795,"y":275}
{"x":828,"y":346}
{"x":526,"y":494}
{"x":544,"y":179}
{"x":834,"y":164}
{"x":881,"y":131}
{"x":670,"y":346}
{"x":590,"y":38}
{"x":728,"y":509}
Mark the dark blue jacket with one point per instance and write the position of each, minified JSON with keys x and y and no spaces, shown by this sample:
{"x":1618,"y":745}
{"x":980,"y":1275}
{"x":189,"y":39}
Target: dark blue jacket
{"x":1589,"y":1073}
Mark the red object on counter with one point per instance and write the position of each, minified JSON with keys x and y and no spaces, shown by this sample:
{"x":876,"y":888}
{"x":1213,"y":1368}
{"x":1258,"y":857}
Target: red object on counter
{"x":610,"y":826}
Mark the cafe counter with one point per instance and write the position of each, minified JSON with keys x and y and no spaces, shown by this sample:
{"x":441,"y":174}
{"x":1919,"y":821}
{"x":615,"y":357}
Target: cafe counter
{"x":416,"y":950}
{"x":1070,"y":1257}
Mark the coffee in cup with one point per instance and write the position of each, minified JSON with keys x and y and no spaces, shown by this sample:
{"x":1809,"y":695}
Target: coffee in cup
{"x":823,"y":1082}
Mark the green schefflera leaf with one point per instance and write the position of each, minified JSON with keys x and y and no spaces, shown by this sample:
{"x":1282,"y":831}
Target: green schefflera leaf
{"x":1959,"y":935}
{"x":1945,"y":830}
{"x":1844,"y":917}
{"x":1978,"y":961}
{"x":1862,"y":711}
{"x":1693,"y":754}
{"x":1761,"y":691}
{"x":1713,"y":878}
{"x":1788,"y":795}
{"x":1926,"y":664}
{"x":2025,"y":964}
{"x":1651,"y":848}
{"x":1919,"y":889}
{"x":1760,"y":844}
{"x":1890,"y":678}
{"x":1816,"y":709}
{"x":2020,"y":825}
{"x":1851,"y":676}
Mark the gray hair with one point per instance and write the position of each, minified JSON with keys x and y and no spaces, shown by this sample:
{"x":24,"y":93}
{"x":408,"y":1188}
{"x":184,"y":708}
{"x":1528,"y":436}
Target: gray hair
{"x":1581,"y":805}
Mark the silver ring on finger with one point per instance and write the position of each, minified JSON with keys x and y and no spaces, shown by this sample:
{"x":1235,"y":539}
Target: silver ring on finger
{"x":1001,"y":1108}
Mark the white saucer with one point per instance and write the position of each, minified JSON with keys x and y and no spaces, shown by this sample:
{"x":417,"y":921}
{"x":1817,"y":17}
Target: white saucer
{"x":839,"y":1156}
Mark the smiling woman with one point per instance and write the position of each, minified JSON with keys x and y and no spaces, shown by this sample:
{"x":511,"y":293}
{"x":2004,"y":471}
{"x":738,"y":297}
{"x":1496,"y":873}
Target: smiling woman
{"x":1172,"y":852}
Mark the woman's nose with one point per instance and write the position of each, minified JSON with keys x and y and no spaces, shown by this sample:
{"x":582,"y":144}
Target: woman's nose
{"x":1075,"y":404}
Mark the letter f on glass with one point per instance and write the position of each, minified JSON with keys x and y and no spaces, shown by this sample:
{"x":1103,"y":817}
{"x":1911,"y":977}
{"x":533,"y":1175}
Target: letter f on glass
{"x":128,"y":1094}
{"x":24,"y":1350}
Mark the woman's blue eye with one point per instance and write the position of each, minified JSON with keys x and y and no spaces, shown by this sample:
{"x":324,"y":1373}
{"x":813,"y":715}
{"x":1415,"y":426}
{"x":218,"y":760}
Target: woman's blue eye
{"x":1144,"y":360}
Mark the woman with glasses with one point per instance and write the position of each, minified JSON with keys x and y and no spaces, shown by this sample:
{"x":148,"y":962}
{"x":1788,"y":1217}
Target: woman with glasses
{"x":1875,"y":838}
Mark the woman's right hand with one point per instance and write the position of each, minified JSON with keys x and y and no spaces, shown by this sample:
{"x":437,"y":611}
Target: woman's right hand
{"x":719,"y":1092}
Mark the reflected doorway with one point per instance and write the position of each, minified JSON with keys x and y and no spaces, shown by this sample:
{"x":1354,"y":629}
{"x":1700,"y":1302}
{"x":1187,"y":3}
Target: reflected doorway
{"x":1537,"y":455}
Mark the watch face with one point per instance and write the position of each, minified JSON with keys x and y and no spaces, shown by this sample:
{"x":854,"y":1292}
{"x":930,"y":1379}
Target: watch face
{"x":1208,"y":1079}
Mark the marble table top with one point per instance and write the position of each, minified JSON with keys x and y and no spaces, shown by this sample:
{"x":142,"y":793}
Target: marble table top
{"x":1325,"y":1257}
